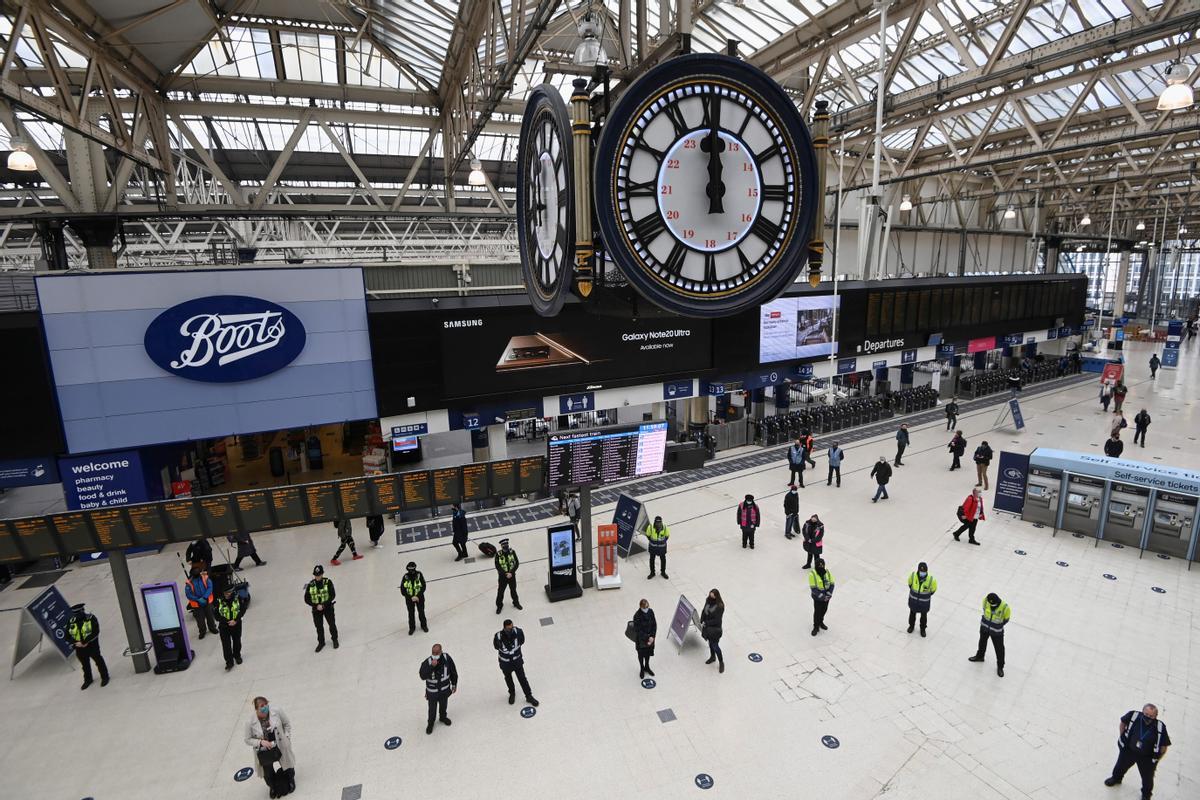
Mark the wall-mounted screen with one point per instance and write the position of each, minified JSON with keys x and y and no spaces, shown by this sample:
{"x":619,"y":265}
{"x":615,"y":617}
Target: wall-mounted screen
{"x":112,"y":528}
{"x":475,"y":482}
{"x":416,"y":489}
{"x":405,"y":444}
{"x":147,"y":524}
{"x":796,"y":327}
{"x":217,"y":513}
{"x":35,"y":536}
{"x":385,"y":494}
{"x":354,"y":496}
{"x":254,"y":510}
{"x":447,"y":486}
{"x":503,"y":477}
{"x":182,"y":520}
{"x":73,"y":531}
{"x":288,"y":504}
{"x":321,"y":502}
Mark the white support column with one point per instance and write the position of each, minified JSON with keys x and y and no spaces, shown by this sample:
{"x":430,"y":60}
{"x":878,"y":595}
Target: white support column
{"x":497,"y":442}
{"x":1122,"y":280}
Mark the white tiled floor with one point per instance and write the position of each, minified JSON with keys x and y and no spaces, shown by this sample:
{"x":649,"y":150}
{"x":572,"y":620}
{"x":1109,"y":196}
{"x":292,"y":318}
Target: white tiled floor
{"x":914,"y":718}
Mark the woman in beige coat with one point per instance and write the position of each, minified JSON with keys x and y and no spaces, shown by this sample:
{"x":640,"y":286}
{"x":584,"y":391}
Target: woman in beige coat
{"x":269,"y":732}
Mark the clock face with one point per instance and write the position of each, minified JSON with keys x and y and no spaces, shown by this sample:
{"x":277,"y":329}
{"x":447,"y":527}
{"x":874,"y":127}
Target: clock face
{"x":545,"y":201}
{"x":705,"y":186}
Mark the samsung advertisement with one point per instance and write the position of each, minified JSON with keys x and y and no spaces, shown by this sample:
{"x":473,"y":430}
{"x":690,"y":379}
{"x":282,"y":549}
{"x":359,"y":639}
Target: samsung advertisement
{"x":792,"y":328}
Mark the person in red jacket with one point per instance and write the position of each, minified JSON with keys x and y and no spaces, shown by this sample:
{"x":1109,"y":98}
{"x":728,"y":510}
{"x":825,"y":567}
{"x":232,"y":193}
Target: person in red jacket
{"x":969,"y":514}
{"x":748,"y":520}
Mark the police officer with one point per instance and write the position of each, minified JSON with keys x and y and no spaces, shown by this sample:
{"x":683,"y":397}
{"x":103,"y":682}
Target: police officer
{"x":508,"y":643}
{"x":820,"y":583}
{"x":83,"y":629}
{"x":921,"y":587}
{"x":441,"y":681}
{"x":1143,"y":741}
{"x":996,"y":615}
{"x":230,"y":611}
{"x":319,"y":594}
{"x":506,"y":575}
{"x":412,"y":586}
{"x":657,"y":533}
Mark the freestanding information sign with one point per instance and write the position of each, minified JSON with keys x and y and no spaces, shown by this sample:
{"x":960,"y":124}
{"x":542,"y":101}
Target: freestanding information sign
{"x":685,"y":617}
{"x":630,"y":518}
{"x":168,"y":633}
{"x":563,"y":583}
{"x":46,"y":615}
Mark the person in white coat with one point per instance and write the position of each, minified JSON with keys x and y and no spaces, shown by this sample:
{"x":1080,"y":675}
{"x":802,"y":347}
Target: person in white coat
{"x":269,"y":733}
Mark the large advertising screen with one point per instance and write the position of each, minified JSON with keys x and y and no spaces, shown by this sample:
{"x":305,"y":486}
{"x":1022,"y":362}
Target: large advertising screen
{"x":144,"y":358}
{"x":605,"y":455}
{"x":796,"y":327}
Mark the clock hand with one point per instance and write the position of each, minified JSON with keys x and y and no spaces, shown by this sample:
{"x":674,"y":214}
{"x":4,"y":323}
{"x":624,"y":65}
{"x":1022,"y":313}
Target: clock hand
{"x":715,"y":144}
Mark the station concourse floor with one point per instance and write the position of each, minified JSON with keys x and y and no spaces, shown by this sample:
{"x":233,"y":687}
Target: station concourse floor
{"x":913,"y":717}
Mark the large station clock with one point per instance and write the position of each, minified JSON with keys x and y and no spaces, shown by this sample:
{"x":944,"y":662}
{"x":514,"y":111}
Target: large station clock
{"x":545,"y":200}
{"x":705,"y":186}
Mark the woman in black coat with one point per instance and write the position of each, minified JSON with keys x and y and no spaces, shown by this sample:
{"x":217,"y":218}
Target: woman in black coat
{"x":645,"y":627}
{"x":710,"y":627}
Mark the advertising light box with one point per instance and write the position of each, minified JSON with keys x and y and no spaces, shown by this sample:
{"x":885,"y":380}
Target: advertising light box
{"x":796,"y":327}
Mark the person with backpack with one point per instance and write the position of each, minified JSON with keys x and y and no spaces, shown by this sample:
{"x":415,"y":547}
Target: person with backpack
{"x":1117,"y":423}
{"x":982,"y":458}
{"x":969,"y":514}
{"x":958,"y":446}
{"x":1140,"y":423}
{"x":748,"y":519}
{"x":814,"y":539}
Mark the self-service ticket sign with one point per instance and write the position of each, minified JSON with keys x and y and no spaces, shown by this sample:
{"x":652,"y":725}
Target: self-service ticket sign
{"x":563,"y":582}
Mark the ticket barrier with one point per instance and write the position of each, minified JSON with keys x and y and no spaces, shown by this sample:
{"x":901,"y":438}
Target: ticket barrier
{"x":1083,"y":504}
{"x":1042,"y":489}
{"x":1126,"y":519}
{"x":1172,"y":523}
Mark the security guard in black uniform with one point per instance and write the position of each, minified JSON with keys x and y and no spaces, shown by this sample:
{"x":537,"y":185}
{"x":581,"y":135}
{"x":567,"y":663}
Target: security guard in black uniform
{"x":319,"y":594}
{"x":441,"y":681}
{"x":506,"y":574}
{"x":83,"y":629}
{"x":508,"y":643}
{"x":412,"y":586}
{"x":230,"y":611}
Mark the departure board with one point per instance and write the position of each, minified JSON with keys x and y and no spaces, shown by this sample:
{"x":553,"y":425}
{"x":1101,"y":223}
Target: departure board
{"x":217,"y":513}
{"x":475,"y":482}
{"x":503,"y":477}
{"x":35,"y":537}
{"x":111,"y":527}
{"x":532,"y":474}
{"x":447,"y":486}
{"x":288,"y":502}
{"x":604,"y":455}
{"x":385,"y":493}
{"x":321,"y":502}
{"x":147,"y":524}
{"x":8,"y":546}
{"x":416,"y":489}
{"x":254,"y":510}
{"x":356,"y":501}
{"x":182,"y":520}
{"x":73,"y":531}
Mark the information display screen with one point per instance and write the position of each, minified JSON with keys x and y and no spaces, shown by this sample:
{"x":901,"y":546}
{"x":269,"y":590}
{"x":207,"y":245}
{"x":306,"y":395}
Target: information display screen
{"x":161,"y":611}
{"x":533,"y":474}
{"x":288,"y":502}
{"x":183,"y":521}
{"x":356,"y":501}
{"x":147,"y":525}
{"x":416,"y":489}
{"x":447,"y":486}
{"x":605,"y":455}
{"x":254,"y":510}
{"x":35,"y":536}
{"x":796,"y":327}
{"x":8,"y":546}
{"x":475,"y":482}
{"x":503,"y":477}
{"x":73,"y":531}
{"x":111,"y":527}
{"x":217,"y":513}
{"x":385,"y":494}
{"x":321,"y":502}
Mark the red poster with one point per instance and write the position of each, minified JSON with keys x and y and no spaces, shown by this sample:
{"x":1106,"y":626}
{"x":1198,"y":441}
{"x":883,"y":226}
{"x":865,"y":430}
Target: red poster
{"x":1113,"y":373}
{"x":181,"y":489}
{"x":981,"y":345}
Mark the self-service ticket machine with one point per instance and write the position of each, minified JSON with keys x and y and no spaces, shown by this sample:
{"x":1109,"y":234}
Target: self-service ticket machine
{"x":1172,"y":523}
{"x":1082,"y":505}
{"x":1126,"y":518}
{"x":1042,"y":490}
{"x":168,"y":632}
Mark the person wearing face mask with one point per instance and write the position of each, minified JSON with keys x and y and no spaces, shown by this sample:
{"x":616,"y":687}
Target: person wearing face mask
{"x":506,"y":575}
{"x":882,"y":473}
{"x":711,"y":617}
{"x":508,"y":642}
{"x":921,"y":587}
{"x":441,"y":681}
{"x":836,"y":455}
{"x":412,"y":586}
{"x":458,"y":524}
{"x":748,"y":520}
{"x":996,"y":615}
{"x":269,"y":734}
{"x":1143,"y":741}
{"x":791,"y":511}
{"x":645,"y":628}
{"x":230,"y":610}
{"x":814,"y":539}
{"x":83,"y":631}
{"x":820,"y":584}
{"x":199,"y":593}
{"x":657,"y":533}
{"x":319,"y":594}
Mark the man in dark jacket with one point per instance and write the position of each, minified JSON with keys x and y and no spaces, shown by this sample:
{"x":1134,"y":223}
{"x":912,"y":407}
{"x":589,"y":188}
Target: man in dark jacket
{"x":748,"y":520}
{"x":83,"y":632}
{"x":1141,"y":422}
{"x":901,"y":443}
{"x":814,"y":539}
{"x":1114,"y":446}
{"x":345,"y":532}
{"x":246,"y":549}
{"x":319,"y":594}
{"x":199,"y":553}
{"x":951,"y":413}
{"x":1143,"y":741}
{"x":795,"y":457}
{"x":230,"y":610}
{"x":441,"y":681}
{"x":791,"y":511}
{"x":958,"y":446}
{"x":1154,"y":364}
{"x":506,"y":575}
{"x":458,"y":524}
{"x":412,"y":586}
{"x":882,"y":473}
{"x":508,"y":642}
{"x":199,"y":593}
{"x":375,"y":528}
{"x":982,"y":458}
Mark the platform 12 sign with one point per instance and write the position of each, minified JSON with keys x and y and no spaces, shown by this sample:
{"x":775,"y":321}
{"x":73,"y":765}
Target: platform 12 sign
{"x":224,"y":339}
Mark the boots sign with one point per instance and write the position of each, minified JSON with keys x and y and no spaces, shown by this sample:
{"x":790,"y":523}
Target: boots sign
{"x":224,"y":338}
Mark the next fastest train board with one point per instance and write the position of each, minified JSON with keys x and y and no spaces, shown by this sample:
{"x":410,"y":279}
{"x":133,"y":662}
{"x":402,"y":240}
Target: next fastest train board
{"x":605,"y":455}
